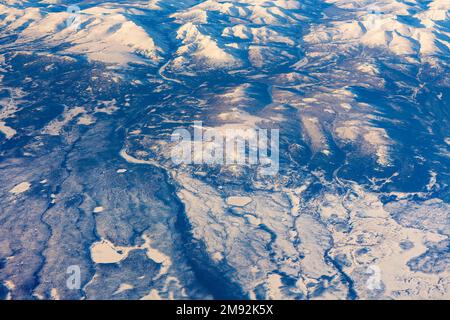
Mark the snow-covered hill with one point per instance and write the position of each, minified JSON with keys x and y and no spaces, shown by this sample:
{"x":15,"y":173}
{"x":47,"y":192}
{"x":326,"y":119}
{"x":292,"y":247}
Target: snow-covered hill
{"x":89,"y":99}
{"x":413,"y":28}
{"x":101,"y":33}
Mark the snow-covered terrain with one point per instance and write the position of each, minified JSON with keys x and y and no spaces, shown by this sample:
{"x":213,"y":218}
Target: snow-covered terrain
{"x":89,"y":98}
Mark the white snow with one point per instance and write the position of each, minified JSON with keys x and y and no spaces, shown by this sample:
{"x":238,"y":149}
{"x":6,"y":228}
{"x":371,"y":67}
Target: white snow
{"x":21,"y":188}
{"x":105,"y":34}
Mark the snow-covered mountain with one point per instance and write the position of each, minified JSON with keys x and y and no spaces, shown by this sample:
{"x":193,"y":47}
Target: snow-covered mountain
{"x":89,"y":99}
